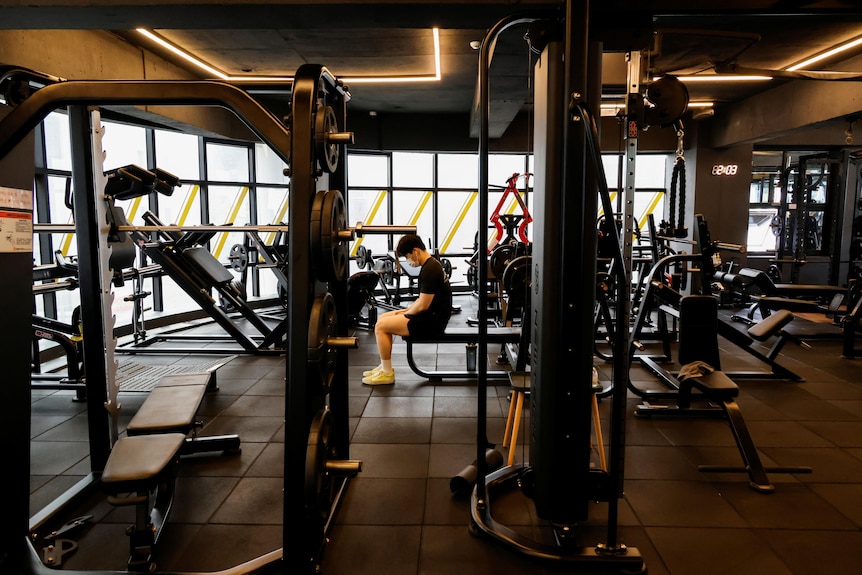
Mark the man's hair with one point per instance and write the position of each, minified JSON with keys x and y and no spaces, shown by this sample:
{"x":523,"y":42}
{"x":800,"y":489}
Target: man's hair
{"x":407,"y":243}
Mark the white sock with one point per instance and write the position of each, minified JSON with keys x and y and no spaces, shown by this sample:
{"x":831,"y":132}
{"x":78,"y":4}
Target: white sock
{"x":387,"y":365}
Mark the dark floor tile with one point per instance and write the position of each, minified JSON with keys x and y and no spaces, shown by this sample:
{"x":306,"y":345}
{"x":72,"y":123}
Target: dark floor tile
{"x":399,"y":407}
{"x":106,"y":547}
{"x":465,"y":407}
{"x":810,"y":552}
{"x":840,"y":433}
{"x":394,"y":461}
{"x":197,"y":498}
{"x":718,"y":551}
{"x":452,"y":549}
{"x":463,"y":429}
{"x":658,"y":462}
{"x":789,"y":507}
{"x":254,"y":501}
{"x":250,"y":429}
{"x":846,"y":498}
{"x":393,"y":430}
{"x":828,"y":465}
{"x":449,"y":459}
{"x":445,"y":507}
{"x":357,"y":550}
{"x":228,"y":546}
{"x":54,"y":458}
{"x":680,"y":504}
{"x":268,"y":386}
{"x":270,"y":462}
{"x":257,"y":406}
{"x":383,"y":501}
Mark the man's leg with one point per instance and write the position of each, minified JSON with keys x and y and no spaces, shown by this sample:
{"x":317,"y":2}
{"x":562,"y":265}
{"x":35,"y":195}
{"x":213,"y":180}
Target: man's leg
{"x":384,"y":331}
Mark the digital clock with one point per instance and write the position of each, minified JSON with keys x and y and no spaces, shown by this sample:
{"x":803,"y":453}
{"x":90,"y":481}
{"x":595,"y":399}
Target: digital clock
{"x":725,"y":169}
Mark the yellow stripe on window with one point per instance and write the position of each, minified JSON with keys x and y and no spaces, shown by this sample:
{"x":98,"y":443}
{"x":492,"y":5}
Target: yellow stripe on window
{"x":420,"y":207}
{"x":450,"y":234}
{"x":231,"y":218}
{"x":369,"y":219}
{"x":279,"y":216}
{"x":188,"y":201}
{"x":657,"y":196}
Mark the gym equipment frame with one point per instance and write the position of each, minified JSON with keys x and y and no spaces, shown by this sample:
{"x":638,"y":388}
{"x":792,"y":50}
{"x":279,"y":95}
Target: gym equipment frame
{"x":317,"y":469}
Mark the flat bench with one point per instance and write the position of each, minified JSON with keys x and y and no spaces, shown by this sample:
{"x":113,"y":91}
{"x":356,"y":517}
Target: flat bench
{"x":504,"y":336}
{"x":143,"y":462}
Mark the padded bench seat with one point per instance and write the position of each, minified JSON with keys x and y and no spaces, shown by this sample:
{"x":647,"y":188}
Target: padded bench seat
{"x":172,"y":405}
{"x":715,"y":386}
{"x":471,"y":335}
{"x":766,"y":328}
{"x":508,"y":336}
{"x":137,"y":463}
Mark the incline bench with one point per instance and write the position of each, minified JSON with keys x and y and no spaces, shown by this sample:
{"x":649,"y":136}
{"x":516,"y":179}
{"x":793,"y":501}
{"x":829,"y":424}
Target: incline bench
{"x":141,"y":469}
{"x":505,"y":336}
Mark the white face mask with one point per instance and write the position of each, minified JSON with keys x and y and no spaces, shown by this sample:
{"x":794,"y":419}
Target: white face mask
{"x":414,"y":263}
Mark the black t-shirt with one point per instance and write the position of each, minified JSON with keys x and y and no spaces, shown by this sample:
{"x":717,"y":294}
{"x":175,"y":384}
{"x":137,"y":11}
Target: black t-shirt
{"x":433,"y":280}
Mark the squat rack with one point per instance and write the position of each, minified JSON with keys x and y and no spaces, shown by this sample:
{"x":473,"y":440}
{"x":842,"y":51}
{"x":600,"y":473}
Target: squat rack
{"x":316,"y":433}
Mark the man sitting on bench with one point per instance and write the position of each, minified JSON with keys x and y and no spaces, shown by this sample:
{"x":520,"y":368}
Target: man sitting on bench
{"x":427,"y":316}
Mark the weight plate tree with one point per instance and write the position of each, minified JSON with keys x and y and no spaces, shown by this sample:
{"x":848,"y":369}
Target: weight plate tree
{"x":316,"y":368}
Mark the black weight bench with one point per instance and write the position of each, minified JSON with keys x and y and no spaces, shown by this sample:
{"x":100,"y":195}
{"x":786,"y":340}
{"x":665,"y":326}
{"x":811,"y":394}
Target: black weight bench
{"x":504,"y":336}
{"x":701,"y":373}
{"x":141,"y":468}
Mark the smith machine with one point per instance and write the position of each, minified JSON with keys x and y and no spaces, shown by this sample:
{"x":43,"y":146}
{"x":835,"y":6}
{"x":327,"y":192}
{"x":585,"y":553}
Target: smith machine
{"x":316,"y":464}
{"x":559,"y":478}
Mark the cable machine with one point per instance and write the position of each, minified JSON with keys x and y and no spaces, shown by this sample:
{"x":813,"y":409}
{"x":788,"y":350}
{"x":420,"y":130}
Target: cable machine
{"x":559,"y":478}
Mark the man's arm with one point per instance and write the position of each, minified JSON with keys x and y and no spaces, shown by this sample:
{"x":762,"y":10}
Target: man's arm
{"x":421,"y":303}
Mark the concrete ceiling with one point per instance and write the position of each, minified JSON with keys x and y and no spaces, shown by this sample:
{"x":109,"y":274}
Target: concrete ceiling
{"x":364,"y":39}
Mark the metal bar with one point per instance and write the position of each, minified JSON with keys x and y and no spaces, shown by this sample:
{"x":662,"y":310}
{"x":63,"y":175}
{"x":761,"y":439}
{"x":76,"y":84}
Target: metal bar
{"x":26,"y":116}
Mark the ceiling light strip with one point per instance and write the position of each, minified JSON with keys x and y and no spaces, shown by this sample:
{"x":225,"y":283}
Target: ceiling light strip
{"x":181,"y":53}
{"x":436,"y":77}
{"x":828,"y":54}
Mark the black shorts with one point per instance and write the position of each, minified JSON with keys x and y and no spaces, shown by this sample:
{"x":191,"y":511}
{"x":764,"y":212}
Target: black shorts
{"x":421,"y":327}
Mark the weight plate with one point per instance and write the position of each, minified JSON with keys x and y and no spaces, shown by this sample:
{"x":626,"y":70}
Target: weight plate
{"x":329,"y":254}
{"x":447,"y":266}
{"x":500,"y":258}
{"x":237,"y":289}
{"x":238,"y":258}
{"x":322,"y":358}
{"x":517,"y":281}
{"x":362,"y":257}
{"x":319,"y":450}
{"x":326,"y":152}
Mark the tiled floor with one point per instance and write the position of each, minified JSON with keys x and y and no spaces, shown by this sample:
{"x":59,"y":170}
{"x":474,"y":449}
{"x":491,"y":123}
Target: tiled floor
{"x":400,"y":517}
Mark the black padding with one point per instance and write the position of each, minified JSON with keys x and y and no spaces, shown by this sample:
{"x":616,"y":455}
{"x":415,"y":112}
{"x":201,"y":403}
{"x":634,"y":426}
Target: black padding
{"x":208,"y":265}
{"x":715,"y":386}
{"x":763,"y":330}
{"x":171,"y":405}
{"x":698,"y":330}
{"x":135,"y":463}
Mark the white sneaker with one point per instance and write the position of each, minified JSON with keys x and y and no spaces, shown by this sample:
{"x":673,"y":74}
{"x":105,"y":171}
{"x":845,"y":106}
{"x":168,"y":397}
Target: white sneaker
{"x":374,"y":371}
